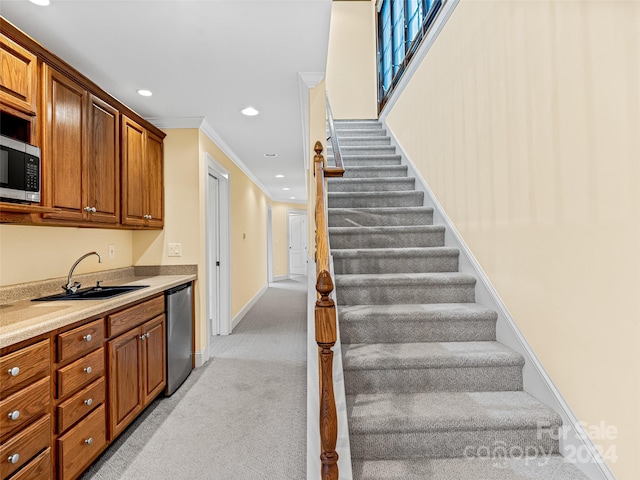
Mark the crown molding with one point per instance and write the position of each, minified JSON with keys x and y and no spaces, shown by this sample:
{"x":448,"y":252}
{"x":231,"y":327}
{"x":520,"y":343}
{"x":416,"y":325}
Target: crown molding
{"x":206,"y":128}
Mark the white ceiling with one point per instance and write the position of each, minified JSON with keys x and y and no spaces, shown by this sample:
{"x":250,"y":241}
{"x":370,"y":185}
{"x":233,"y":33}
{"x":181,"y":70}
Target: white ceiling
{"x":201,"y":59}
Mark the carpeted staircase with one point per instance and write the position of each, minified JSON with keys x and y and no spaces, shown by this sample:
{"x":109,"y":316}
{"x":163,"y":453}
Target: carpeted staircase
{"x":430,"y":393}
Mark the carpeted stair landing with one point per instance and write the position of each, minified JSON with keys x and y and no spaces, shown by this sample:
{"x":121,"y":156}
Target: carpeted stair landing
{"x":430,"y":393}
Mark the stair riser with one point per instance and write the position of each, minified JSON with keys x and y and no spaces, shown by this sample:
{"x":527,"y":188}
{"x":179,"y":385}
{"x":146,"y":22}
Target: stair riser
{"x":397,"y":294}
{"x":356,"y":125}
{"x":363,"y":150}
{"x":355,"y":218}
{"x":471,"y":379}
{"x":384,"y":240}
{"x":457,"y":443}
{"x":389,"y":161}
{"x":408,"y":199}
{"x":364,"y":186}
{"x":408,"y":332}
{"x":390,"y":264}
{"x":359,"y":132}
{"x":373,"y":172}
{"x":363,"y":141}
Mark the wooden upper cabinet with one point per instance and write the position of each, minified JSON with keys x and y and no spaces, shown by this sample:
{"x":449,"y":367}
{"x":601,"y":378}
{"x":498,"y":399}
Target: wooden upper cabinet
{"x":80,"y":155}
{"x":18,"y":77}
{"x":62,"y":147}
{"x":142,"y":176}
{"x":102,"y":162}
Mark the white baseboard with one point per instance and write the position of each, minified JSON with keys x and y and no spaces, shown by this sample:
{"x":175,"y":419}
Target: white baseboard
{"x":201,"y":357}
{"x":240,"y":315}
{"x":343,"y":447}
{"x":575,"y":444}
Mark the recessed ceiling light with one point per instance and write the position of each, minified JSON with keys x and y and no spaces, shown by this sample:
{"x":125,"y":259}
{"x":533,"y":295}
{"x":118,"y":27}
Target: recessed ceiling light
{"x":250,"y":112}
{"x":270,"y":155}
{"x":286,"y":188}
{"x":145,"y":93}
{"x":42,"y":3}
{"x":279,"y":176}
{"x":292,"y":198}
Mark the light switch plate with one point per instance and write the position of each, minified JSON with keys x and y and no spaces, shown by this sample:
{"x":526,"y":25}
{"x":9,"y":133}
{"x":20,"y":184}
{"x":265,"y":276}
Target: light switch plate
{"x":175,"y":249}
{"x":112,"y":251}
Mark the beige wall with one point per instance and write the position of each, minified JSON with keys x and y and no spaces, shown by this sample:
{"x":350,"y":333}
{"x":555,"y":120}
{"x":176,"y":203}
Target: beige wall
{"x":351,"y":60}
{"x":30,"y":253}
{"x":317,"y":132}
{"x":524,"y":118}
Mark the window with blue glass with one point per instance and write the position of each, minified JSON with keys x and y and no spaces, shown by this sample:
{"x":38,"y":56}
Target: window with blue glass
{"x":402,"y":24}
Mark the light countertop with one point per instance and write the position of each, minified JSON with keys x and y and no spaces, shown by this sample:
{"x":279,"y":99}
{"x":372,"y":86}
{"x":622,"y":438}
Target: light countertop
{"x":25,"y":319}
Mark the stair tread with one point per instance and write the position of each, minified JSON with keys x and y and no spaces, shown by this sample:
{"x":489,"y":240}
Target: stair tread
{"x":384,"y":228}
{"x":547,"y":467}
{"x":414,"y":312}
{"x":394,"y":252}
{"x":395,"y":279}
{"x":378,"y":356}
{"x":389,"y":193}
{"x":447,"y":411}
{"x":372,"y":180}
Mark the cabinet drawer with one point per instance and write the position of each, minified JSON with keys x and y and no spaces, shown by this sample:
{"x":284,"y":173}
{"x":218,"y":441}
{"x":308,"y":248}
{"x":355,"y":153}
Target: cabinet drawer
{"x":72,"y":410}
{"x":124,"y":320}
{"x":38,"y":469}
{"x":80,"y":340}
{"x":23,"y":446}
{"x":22,"y":407}
{"x":80,"y":373}
{"x":23,"y":365}
{"x":78,"y":447}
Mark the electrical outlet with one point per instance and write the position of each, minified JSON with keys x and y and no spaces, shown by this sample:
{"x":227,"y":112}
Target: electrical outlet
{"x":112,"y":251}
{"x":175,"y":249}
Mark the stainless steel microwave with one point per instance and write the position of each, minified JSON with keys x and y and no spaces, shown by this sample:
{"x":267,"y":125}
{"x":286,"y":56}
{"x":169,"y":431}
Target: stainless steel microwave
{"x":19,"y":171}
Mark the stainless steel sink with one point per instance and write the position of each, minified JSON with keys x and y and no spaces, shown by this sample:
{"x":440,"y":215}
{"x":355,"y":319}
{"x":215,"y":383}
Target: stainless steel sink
{"x":92,"y":293}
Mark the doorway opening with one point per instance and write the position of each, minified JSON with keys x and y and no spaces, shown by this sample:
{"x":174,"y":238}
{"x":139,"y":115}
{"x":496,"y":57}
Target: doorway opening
{"x":218,"y":256}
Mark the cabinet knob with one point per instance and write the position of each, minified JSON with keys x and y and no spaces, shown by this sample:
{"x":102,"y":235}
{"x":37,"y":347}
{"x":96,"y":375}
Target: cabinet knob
{"x":87,"y":338}
{"x":14,"y":415}
{"x":93,"y":210}
{"x":14,"y":371}
{"x":87,"y":209}
{"x":147,"y":335}
{"x":13,"y":459}
{"x":88,"y":402}
{"x":148,"y":217}
{"x":88,"y":370}
{"x":89,"y":441}
{"x":142,"y":337}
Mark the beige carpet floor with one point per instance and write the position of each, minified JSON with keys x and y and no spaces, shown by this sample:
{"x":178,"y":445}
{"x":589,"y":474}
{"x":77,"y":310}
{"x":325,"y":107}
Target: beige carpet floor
{"x":241,"y":416}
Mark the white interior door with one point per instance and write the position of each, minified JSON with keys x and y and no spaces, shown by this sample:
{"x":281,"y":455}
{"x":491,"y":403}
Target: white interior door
{"x":213,"y":235}
{"x":297,"y":243}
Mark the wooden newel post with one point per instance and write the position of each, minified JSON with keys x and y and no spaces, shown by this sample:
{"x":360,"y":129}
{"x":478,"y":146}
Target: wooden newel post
{"x":318,"y":158}
{"x":325,"y":319}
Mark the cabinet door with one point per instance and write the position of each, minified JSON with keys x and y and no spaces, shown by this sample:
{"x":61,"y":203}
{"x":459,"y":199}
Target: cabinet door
{"x":63,"y":145}
{"x":125,"y":395}
{"x":102,"y":162}
{"x":18,"y":76}
{"x":154,"y":181}
{"x":154,"y":376}
{"x":133,"y":189}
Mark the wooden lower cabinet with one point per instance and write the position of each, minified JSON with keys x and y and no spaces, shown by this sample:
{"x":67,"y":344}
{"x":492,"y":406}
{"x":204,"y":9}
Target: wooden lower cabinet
{"x":38,"y":469}
{"x":137,"y":372}
{"x":82,"y":444}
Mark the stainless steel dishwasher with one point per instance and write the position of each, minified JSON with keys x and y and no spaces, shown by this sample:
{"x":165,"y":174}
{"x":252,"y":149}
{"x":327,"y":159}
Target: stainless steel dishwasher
{"x":178,"y":307}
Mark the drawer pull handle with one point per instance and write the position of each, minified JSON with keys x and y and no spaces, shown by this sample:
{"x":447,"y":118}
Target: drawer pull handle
{"x":14,"y":415}
{"x":88,"y":370}
{"x":89,"y":441}
{"x":87,"y":338}
{"x":14,"y":371}
{"x":13,"y":459}
{"x":88,"y":402}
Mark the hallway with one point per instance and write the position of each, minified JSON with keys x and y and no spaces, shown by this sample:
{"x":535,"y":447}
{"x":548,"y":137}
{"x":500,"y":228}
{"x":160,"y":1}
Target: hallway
{"x":241,"y":416}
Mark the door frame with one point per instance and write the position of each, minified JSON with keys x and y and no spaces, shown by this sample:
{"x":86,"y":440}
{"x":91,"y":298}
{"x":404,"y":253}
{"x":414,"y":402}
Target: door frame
{"x":291,"y":212}
{"x":224,"y":231}
{"x":269,"y":244}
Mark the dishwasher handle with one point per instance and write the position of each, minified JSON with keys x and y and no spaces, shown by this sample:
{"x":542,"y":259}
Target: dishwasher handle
{"x":177,"y":289}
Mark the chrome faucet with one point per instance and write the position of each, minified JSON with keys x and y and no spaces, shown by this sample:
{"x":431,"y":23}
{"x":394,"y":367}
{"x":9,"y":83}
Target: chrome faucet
{"x":71,"y":287}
